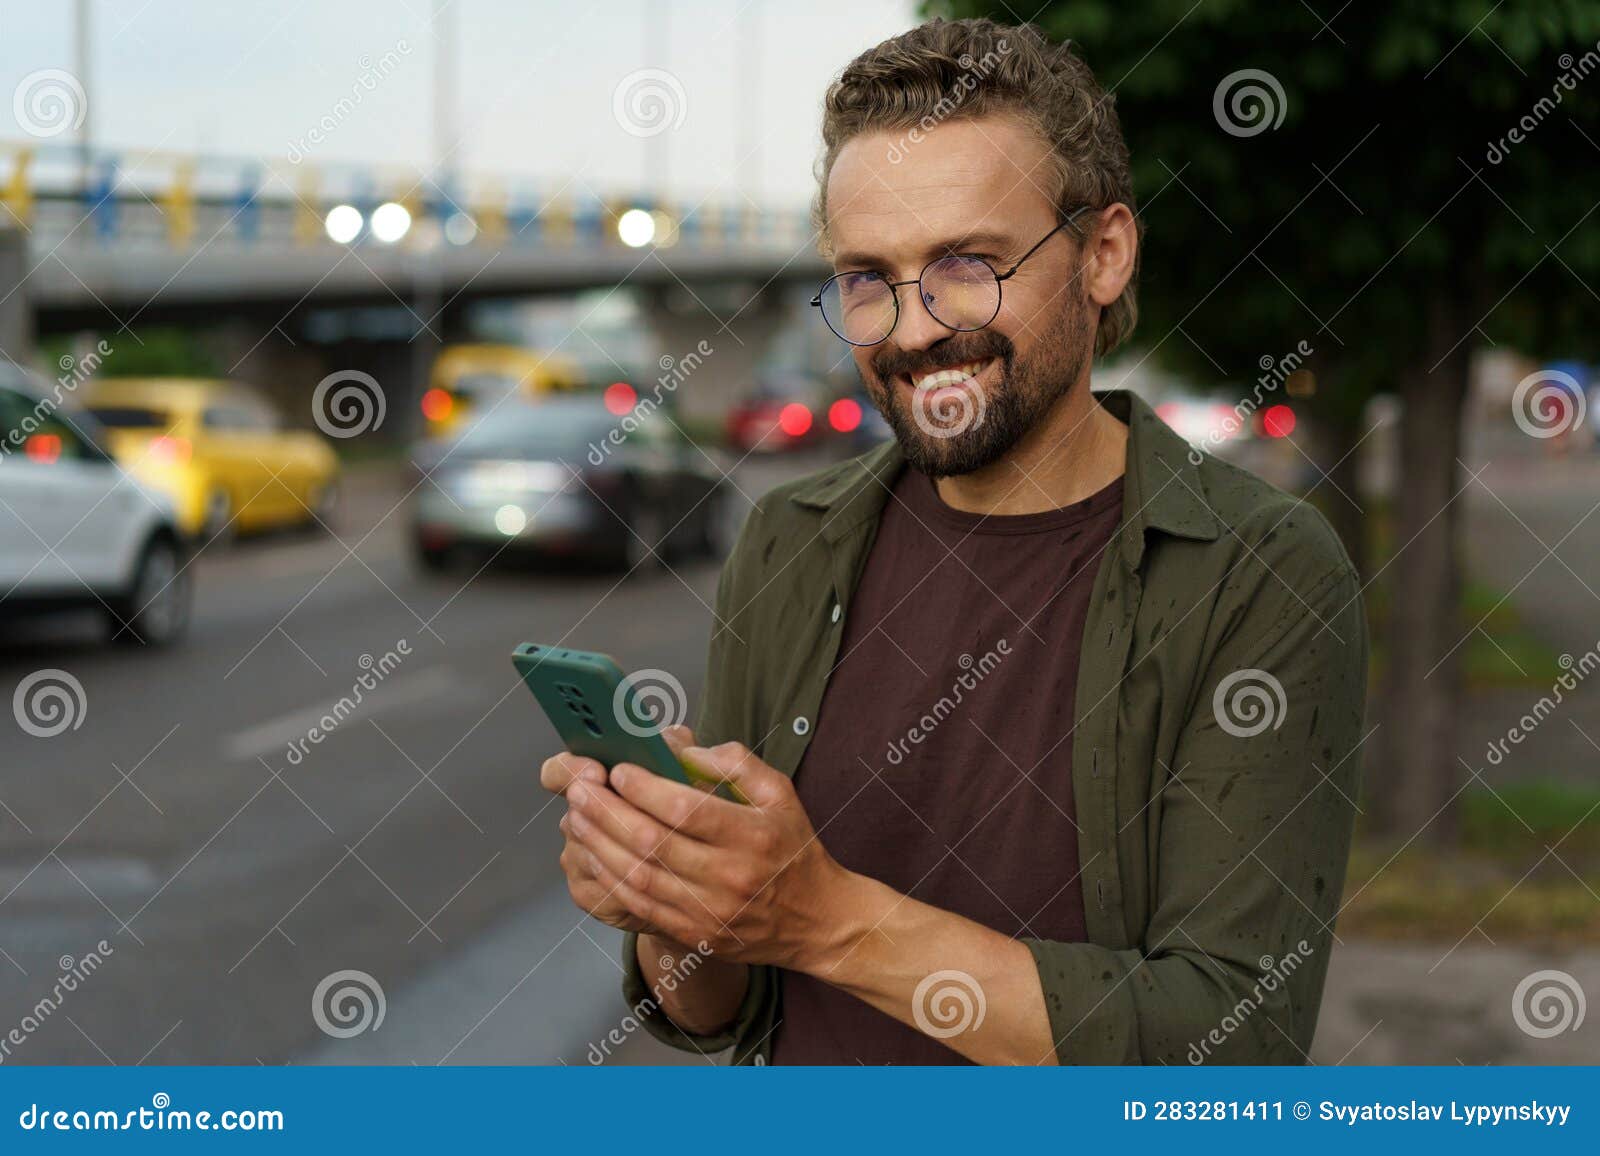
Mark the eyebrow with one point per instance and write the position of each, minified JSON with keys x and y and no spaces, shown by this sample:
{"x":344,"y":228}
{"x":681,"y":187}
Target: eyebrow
{"x":978,"y":239}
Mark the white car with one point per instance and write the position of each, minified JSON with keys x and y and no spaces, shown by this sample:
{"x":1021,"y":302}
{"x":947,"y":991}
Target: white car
{"x":75,"y":529}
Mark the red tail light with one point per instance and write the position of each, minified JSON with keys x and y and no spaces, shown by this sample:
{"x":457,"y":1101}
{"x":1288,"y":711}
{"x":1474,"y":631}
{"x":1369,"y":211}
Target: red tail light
{"x":620,"y":398}
{"x":437,"y":404}
{"x":170,"y":450}
{"x":1278,"y":421}
{"x":43,"y":447}
{"x":844,"y":415}
{"x":794,"y":419}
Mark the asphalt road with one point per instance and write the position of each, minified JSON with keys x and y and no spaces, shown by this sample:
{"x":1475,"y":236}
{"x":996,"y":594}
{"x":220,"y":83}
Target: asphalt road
{"x":228,"y":880}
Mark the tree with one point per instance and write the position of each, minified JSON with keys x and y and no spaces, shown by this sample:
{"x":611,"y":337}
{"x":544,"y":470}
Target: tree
{"x":1397,"y":185}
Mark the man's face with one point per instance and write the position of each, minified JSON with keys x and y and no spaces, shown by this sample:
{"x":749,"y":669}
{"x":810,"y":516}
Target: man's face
{"x":960,"y":400}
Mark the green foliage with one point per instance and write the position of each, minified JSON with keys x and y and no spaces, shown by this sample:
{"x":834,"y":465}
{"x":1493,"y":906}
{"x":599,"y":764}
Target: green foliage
{"x":156,"y":353}
{"x":1376,"y":207}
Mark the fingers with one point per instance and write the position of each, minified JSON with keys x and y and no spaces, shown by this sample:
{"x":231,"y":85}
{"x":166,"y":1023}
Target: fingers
{"x":734,"y":763}
{"x":643,"y":835}
{"x":679,"y":808}
{"x":560,"y":771}
{"x":613,"y":862}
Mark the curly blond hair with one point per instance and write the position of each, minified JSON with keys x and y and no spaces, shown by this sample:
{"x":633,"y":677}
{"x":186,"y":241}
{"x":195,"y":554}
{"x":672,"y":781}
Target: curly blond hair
{"x":951,"y":69}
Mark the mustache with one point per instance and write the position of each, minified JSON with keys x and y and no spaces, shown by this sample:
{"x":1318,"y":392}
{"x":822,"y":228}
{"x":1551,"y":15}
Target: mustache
{"x":951,"y":351}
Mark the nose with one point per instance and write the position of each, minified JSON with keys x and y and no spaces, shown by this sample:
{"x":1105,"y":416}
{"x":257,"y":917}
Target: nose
{"x":917,"y":328}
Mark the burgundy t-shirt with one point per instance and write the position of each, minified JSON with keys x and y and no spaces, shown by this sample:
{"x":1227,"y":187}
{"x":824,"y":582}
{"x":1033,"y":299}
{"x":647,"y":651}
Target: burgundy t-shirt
{"x":941,"y":763}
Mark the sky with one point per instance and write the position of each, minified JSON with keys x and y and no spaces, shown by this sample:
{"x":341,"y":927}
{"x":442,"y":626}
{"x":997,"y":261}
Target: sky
{"x":728,"y":91}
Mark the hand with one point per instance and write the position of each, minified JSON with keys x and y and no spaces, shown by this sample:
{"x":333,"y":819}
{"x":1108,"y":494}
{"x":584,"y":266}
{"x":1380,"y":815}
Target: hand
{"x":750,"y":880}
{"x":578,"y":863}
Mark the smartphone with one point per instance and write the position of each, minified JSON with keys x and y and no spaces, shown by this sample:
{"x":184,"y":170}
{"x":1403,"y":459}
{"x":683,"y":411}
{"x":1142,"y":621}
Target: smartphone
{"x":596,"y":709}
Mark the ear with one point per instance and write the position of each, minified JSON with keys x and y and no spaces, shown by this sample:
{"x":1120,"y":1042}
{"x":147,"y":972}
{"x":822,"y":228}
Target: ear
{"x":1111,"y":249}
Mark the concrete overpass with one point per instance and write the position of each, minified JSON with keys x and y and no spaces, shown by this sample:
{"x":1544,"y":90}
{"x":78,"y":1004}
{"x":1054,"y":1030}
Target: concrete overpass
{"x":247,"y":260}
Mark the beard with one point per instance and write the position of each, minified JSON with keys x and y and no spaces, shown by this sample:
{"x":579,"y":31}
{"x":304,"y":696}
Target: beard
{"x":956,"y":434}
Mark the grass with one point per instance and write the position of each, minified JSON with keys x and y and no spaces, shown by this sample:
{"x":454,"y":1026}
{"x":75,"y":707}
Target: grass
{"x":1503,"y":884}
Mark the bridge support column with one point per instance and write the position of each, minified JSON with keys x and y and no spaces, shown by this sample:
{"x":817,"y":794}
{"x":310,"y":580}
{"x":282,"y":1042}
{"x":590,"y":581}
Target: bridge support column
{"x":737,"y":323}
{"x":16,"y":317}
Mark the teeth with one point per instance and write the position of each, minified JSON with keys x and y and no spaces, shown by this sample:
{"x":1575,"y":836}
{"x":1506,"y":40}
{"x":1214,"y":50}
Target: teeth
{"x":952,"y":376}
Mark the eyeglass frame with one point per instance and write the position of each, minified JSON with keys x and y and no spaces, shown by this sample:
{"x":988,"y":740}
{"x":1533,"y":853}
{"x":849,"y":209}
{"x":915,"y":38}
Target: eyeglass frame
{"x":895,"y":286}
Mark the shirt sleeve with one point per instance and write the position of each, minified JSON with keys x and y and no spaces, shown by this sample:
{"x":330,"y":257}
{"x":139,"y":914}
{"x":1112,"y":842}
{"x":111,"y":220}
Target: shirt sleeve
{"x":1256,"y":815}
{"x":722,"y":719}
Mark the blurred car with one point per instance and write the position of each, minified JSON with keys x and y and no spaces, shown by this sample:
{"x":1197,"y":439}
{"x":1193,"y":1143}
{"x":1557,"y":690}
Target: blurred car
{"x":568,"y":476}
{"x":769,"y":420}
{"x":219,"y":450}
{"x":470,"y":378}
{"x":76,"y":530}
{"x":1260,"y":439}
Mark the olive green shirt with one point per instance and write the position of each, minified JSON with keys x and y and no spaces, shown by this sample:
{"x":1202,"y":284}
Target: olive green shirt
{"x":1215,"y":755}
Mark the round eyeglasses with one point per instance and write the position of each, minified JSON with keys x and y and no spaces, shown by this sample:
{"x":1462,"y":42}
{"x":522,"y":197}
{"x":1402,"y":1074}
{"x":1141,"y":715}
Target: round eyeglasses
{"x":960,"y":292}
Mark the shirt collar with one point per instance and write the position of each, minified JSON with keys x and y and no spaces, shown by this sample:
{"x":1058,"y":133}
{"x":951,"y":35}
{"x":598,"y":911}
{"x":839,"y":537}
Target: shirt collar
{"x":1162,"y":489}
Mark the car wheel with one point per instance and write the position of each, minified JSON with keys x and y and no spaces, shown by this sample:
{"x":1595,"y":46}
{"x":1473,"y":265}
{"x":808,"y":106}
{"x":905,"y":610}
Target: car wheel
{"x":324,"y":506}
{"x":155,"y":611}
{"x":435,"y":559}
{"x":643,"y":547}
{"x":718,"y":527}
{"x":217,"y":526}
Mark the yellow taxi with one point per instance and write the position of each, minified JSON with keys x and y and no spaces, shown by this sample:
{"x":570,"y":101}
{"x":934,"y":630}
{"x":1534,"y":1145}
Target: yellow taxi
{"x":219,"y":450}
{"x":476,"y":376}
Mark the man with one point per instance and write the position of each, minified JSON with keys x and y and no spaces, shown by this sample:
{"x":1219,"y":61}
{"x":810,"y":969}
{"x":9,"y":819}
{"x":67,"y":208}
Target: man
{"x":1046,"y":724}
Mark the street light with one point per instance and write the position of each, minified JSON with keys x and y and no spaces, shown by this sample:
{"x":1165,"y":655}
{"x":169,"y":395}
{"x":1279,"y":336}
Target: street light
{"x":343,"y":224}
{"x":636,"y":228}
{"x":390,"y":221}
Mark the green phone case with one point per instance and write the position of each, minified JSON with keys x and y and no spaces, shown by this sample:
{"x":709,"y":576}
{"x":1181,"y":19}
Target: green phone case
{"x":586,"y":698}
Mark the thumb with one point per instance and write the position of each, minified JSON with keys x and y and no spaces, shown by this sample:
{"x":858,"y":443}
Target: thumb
{"x":748,"y":778}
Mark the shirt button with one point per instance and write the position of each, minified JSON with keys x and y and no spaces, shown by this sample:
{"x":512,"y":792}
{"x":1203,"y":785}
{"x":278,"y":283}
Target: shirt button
{"x":802,"y":725}
{"x":838,"y":612}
